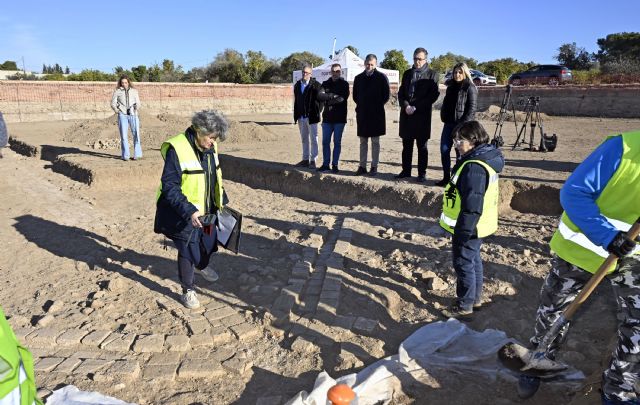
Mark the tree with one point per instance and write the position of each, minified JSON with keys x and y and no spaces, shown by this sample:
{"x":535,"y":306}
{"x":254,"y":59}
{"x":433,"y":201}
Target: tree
{"x":227,"y":67}
{"x":503,"y":68}
{"x":92,"y":75}
{"x":573,"y":57}
{"x":140,"y":73}
{"x":66,"y":70}
{"x":9,"y":65}
{"x":620,"y":46}
{"x":256,"y":65}
{"x":394,"y":59}
{"x":444,"y":63}
{"x":295,"y":62}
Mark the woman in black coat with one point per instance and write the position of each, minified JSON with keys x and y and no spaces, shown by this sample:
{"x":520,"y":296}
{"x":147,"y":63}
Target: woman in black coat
{"x":458,"y":106}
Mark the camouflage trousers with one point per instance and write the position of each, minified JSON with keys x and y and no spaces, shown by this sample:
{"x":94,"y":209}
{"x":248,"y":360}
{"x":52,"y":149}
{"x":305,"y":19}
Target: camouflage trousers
{"x":621,"y":380}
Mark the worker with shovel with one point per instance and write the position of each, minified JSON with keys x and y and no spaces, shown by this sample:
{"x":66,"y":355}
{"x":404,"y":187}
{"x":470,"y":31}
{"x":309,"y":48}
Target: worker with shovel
{"x":601,"y":200}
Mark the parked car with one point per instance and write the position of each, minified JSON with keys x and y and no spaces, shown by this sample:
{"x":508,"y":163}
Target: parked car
{"x":479,"y":78}
{"x":542,"y":74}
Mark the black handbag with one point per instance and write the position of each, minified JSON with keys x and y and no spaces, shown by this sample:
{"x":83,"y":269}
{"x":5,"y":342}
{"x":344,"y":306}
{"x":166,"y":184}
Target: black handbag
{"x":229,"y":229}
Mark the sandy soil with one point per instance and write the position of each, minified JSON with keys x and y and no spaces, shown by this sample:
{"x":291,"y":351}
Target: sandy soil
{"x":78,"y":259}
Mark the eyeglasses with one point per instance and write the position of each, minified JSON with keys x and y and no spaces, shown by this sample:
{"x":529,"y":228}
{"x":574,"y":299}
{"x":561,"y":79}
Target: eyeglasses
{"x":306,"y":73}
{"x":458,"y":141}
{"x":418,"y":59}
{"x":335,"y":71}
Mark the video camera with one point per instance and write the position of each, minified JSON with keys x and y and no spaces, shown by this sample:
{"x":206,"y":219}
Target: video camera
{"x":134,"y":107}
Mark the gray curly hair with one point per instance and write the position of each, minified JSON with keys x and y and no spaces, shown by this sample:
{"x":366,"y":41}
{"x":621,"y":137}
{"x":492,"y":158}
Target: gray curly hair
{"x":211,"y":122}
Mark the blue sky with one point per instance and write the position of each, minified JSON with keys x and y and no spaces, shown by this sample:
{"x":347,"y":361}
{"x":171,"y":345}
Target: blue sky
{"x":101,"y":35}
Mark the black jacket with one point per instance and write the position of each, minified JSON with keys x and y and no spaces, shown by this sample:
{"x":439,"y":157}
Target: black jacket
{"x":371,"y":93}
{"x":465,"y":98}
{"x":472,"y":185}
{"x":426,"y":92}
{"x":307,"y":104}
{"x":331,"y":91}
{"x":173,"y":211}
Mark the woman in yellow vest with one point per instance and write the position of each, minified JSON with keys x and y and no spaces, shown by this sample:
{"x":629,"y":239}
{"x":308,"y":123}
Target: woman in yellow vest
{"x":470,"y":211}
{"x":601,"y":200}
{"x":191,"y":187}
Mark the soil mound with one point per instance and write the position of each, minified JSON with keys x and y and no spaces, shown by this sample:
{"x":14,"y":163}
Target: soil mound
{"x":493,"y":112}
{"x":155,"y":129}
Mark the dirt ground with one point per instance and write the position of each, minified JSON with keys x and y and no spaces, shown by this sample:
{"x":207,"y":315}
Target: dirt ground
{"x":93,"y":291}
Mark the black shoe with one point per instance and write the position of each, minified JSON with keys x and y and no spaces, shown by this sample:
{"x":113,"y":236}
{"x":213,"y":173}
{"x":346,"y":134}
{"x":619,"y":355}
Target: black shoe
{"x":303,"y":163}
{"x":457,"y":312}
{"x":442,"y":182}
{"x":527,"y":386}
{"x":402,"y":175}
{"x":421,"y":178}
{"x":334,"y":168}
{"x":373,"y":171}
{"x":361,"y":170}
{"x":323,"y":168}
{"x":312,"y":165}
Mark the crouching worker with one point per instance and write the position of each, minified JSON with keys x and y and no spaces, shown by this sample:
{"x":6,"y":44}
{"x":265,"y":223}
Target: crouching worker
{"x":470,"y":211}
{"x":191,"y":187}
{"x":601,"y":200}
{"x":17,"y":382}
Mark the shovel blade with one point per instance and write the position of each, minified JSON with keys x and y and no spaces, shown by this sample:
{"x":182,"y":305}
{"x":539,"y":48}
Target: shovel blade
{"x":535,"y":363}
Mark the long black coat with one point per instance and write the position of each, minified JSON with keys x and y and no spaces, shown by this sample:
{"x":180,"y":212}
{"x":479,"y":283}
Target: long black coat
{"x":371,"y":93}
{"x":417,"y":125}
{"x":306,"y":104}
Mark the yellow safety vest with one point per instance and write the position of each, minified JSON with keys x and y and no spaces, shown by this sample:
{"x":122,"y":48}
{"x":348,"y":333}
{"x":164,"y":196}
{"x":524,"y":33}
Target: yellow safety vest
{"x":16,"y":368}
{"x":194,"y":183}
{"x":619,"y":202}
{"x":451,"y":206}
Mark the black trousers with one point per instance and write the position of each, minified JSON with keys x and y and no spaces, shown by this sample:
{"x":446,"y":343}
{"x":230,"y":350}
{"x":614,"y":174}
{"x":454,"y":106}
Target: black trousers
{"x":407,"y":155}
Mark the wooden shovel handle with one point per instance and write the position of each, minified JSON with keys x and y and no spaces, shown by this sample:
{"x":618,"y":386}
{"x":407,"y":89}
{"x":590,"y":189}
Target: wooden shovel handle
{"x":598,"y":276}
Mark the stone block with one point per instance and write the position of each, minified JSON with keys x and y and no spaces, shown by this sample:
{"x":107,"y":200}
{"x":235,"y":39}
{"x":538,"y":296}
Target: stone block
{"x":201,"y":340}
{"x":327,"y":296}
{"x":331,"y":284}
{"x":222,"y":354}
{"x":284,"y":303}
{"x":120,"y":370}
{"x":164,"y":359}
{"x":22,"y":334}
{"x":221,"y":335}
{"x":71,"y":337}
{"x":68,"y":365}
{"x":304,"y":344}
{"x":246,"y":331}
{"x":364,"y":325}
{"x":301,"y":270}
{"x":148,"y":343}
{"x":160,"y":372}
{"x":238,"y":365}
{"x":44,"y":338}
{"x":200,"y":369}
{"x":95,"y":337}
{"x":177,"y":343}
{"x":47,"y":364}
{"x":217,"y":314}
{"x":345,"y":322}
{"x":118,"y":342}
{"x":91,"y":366}
{"x":198,"y":326}
{"x":233,"y":320}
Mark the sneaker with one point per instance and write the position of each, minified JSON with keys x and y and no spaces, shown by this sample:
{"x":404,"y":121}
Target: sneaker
{"x":421,"y":178}
{"x":303,"y":163}
{"x":456,"y":311}
{"x":402,"y":175}
{"x":190,"y":300}
{"x":334,"y":169}
{"x":527,"y":386}
{"x":442,"y":182}
{"x":209,"y":274}
{"x":323,"y":168}
{"x":373,"y":171}
{"x":361,"y":170}
{"x":312,"y":165}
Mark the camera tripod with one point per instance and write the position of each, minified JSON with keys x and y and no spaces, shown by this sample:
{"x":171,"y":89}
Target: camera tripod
{"x":532,"y":111}
{"x":497,"y":140}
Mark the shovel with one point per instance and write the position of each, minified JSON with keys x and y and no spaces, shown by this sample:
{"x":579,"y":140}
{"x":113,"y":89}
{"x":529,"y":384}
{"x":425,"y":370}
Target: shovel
{"x":536,"y":363}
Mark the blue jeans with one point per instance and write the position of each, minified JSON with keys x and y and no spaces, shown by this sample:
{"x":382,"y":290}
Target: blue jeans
{"x":468,"y":266}
{"x":328,"y":129}
{"x":446,"y":143}
{"x":124,"y":123}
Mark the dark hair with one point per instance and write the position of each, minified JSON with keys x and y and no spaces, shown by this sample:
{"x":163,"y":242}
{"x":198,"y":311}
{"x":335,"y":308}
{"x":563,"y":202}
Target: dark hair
{"x":336,"y":64}
{"x":472,"y":131}
{"x":370,"y":57}
{"x":123,"y":77}
{"x":421,"y":50}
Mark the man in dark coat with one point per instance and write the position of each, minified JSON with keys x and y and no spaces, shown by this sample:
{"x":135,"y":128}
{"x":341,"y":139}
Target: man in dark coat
{"x":334,"y":93}
{"x":417,"y":93}
{"x":370,"y":93}
{"x":306,"y":112}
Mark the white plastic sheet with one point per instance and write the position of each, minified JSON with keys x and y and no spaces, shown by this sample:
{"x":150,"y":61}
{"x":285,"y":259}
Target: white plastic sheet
{"x":450,"y":346}
{"x":70,"y":395}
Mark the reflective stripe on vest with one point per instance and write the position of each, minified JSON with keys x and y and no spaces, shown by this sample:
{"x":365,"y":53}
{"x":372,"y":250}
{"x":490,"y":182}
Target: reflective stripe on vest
{"x":17,"y":382}
{"x":451,"y":206}
{"x":194,"y":184}
{"x":618,"y":203}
